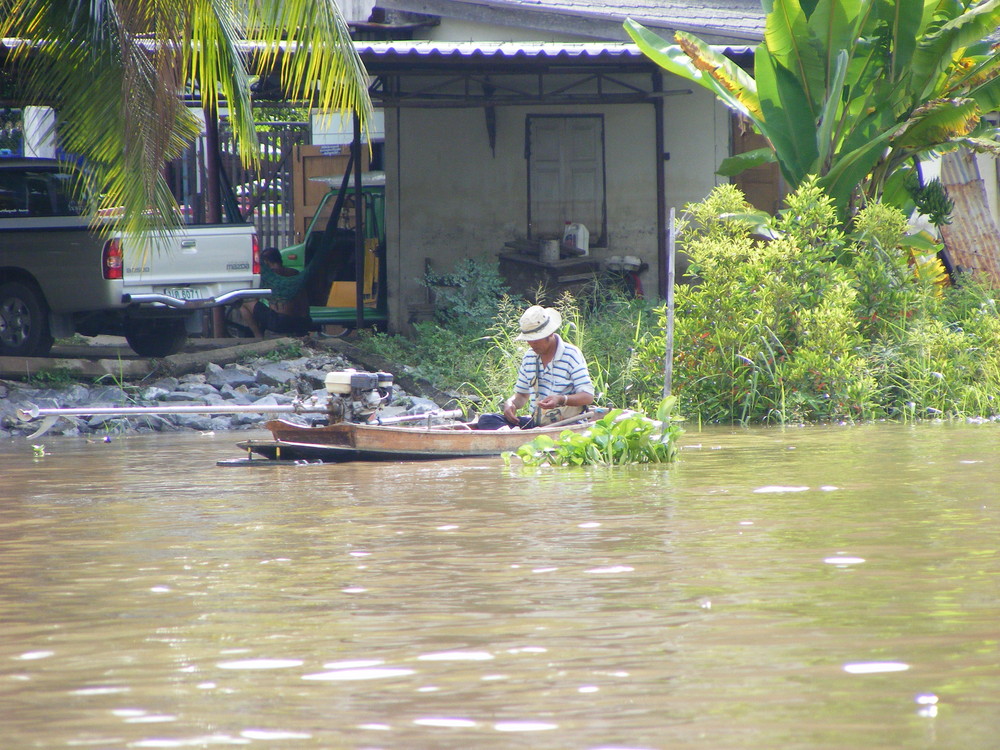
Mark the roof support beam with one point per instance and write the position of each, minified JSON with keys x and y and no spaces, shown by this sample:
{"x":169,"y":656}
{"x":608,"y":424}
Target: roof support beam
{"x":466,"y":91}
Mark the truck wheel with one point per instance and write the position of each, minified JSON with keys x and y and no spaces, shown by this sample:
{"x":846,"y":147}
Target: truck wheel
{"x":24,"y":321}
{"x":155,"y":338}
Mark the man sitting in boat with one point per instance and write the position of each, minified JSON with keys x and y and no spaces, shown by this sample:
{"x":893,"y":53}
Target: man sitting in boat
{"x":553,"y":377}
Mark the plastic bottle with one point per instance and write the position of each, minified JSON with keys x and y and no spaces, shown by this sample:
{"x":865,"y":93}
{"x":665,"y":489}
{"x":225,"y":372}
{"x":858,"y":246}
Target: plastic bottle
{"x":577,"y":236}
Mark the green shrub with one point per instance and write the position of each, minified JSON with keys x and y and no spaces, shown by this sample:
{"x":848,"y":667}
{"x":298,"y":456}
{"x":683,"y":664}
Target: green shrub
{"x":445,"y":356}
{"x":812,"y":324}
{"x":467,"y":295}
{"x":287,"y":351}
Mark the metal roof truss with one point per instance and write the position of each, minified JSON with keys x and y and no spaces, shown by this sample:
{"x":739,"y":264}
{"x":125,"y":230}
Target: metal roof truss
{"x":465,"y":89}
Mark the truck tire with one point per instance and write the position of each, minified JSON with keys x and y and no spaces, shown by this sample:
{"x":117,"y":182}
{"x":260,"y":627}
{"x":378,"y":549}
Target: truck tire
{"x":24,"y":321}
{"x":155,"y":338}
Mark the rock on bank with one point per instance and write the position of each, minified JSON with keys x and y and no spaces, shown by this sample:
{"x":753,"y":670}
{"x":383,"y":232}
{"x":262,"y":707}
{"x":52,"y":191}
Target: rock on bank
{"x":201,"y":379}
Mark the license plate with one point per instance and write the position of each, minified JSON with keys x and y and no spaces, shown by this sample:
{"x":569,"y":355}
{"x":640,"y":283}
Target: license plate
{"x":183,"y":293}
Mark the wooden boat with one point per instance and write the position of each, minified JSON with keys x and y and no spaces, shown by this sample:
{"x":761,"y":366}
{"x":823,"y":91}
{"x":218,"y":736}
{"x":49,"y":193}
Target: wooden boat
{"x":346,"y":441}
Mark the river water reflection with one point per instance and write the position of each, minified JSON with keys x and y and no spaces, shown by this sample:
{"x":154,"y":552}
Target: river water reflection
{"x":800,"y":588}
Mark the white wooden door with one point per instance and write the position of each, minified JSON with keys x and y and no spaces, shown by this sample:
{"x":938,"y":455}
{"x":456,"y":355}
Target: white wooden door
{"x":566,"y":174}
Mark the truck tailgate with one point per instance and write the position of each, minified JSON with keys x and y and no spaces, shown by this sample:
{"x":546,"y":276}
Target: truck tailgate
{"x":197,"y":262}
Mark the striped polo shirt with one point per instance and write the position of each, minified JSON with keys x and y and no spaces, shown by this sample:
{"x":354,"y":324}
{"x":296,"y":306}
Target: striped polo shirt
{"x":566,"y":374}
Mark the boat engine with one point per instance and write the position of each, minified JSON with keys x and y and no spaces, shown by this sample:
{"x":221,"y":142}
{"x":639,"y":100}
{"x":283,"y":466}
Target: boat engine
{"x":354,"y":396}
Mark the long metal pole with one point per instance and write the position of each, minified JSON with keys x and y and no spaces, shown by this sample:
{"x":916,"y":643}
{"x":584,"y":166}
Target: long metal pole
{"x":359,"y":230}
{"x":33,"y":412}
{"x":668,"y":357}
{"x":660,"y":158}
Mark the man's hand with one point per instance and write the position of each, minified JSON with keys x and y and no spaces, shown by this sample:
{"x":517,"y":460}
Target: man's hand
{"x":552,"y":402}
{"x":512,"y":405}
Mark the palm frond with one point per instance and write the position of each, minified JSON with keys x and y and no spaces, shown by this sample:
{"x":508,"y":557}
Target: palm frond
{"x":331,"y":72}
{"x":116,"y":71}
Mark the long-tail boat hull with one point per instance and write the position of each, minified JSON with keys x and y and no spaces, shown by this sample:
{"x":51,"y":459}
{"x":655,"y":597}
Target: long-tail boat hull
{"x":346,"y":441}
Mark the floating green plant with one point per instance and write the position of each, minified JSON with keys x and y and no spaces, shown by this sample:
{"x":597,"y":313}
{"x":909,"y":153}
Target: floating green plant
{"x":619,"y":437}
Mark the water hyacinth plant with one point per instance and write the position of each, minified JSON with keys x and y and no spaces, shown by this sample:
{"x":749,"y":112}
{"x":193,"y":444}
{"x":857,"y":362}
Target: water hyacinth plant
{"x":619,"y":437}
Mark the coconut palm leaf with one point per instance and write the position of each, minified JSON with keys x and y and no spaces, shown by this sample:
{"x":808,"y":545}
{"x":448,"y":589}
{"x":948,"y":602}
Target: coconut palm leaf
{"x":116,"y":71}
{"x":332,"y":59}
{"x":213,"y":58}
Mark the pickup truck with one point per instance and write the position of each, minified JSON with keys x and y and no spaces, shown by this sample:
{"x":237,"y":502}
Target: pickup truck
{"x":58,"y":277}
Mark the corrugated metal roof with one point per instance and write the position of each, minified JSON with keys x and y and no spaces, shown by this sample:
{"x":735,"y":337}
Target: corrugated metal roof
{"x":972,"y":238}
{"x":497,"y":49}
{"x":512,"y":50}
{"x":476,"y":50}
{"x":743,"y":17}
{"x":721,"y":21}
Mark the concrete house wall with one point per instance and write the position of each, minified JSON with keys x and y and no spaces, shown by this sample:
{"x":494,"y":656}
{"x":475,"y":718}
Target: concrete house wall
{"x":449,"y":196}
{"x":457,"y":200}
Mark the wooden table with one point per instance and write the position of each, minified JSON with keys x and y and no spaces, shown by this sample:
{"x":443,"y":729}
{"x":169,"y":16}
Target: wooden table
{"x":525,"y":273}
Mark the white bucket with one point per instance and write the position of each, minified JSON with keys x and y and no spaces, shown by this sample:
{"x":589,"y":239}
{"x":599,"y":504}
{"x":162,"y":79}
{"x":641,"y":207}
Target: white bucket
{"x":578,"y":236}
{"x":548,"y":250}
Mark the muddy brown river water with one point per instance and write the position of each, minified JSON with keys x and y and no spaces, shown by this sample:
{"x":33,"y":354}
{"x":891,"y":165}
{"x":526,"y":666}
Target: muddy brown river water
{"x":820,"y":587}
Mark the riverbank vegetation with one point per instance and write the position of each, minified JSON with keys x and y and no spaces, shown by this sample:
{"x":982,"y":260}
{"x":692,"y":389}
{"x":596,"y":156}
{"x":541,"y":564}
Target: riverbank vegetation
{"x":793,"y":320}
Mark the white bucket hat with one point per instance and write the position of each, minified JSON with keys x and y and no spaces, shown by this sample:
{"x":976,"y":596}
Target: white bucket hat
{"x":538,"y":322}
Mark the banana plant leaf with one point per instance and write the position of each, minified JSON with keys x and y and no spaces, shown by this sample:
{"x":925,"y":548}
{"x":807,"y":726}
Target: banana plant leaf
{"x":939,"y":121}
{"x":936,"y":51}
{"x":670,"y":57}
{"x":734,"y":165}
{"x":788,"y":124}
{"x":788,"y":42}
